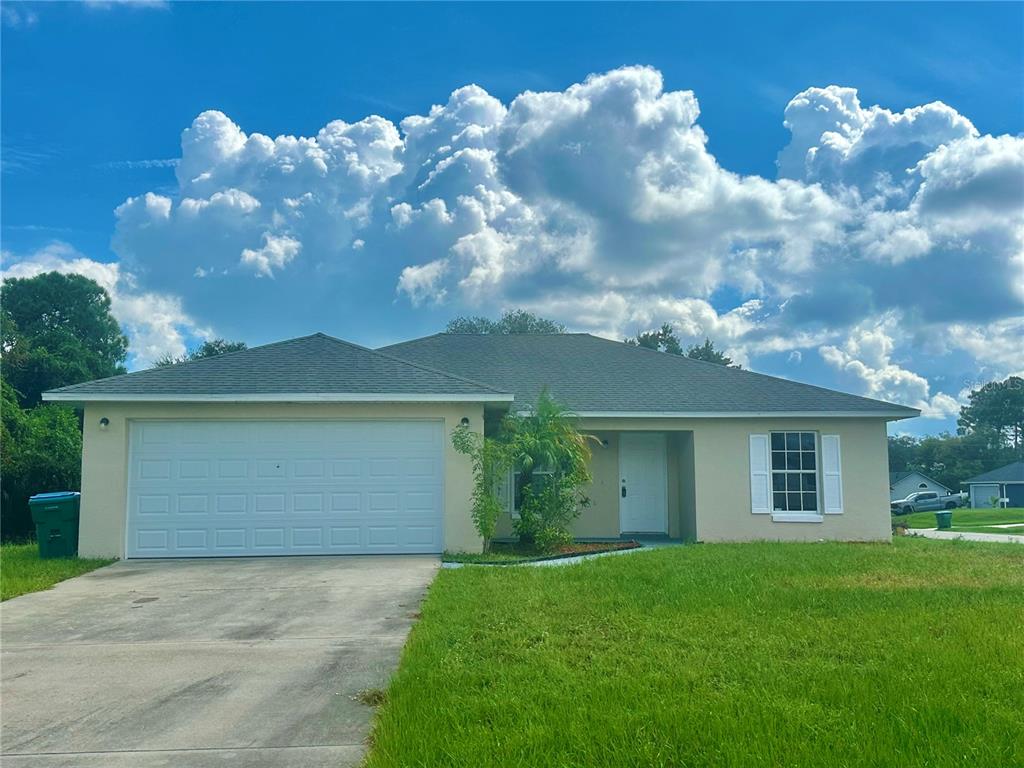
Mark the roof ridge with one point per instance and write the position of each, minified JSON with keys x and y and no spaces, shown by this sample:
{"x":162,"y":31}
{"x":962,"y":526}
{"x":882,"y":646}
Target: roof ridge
{"x":422,"y":367}
{"x":749,"y":372}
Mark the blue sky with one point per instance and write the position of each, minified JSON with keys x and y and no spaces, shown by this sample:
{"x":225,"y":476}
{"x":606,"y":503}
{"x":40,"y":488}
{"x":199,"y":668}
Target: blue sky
{"x":838,"y":276}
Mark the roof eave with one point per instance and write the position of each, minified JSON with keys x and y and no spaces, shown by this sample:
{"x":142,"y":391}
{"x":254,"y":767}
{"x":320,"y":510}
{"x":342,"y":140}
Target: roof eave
{"x":278,"y":397}
{"x":887,"y":415}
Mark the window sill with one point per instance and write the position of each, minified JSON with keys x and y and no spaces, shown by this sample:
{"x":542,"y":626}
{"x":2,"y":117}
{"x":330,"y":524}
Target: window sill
{"x":796,"y":517}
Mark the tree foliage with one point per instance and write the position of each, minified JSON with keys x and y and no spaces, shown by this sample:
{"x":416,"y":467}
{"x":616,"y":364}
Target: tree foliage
{"x":551,"y":458}
{"x":996,"y":411}
{"x":41,"y":452}
{"x":662,"y":340}
{"x":57,"y":330}
{"x":210,"y":348}
{"x":665,"y":340}
{"x":709,"y":354}
{"x":949,"y":459}
{"x":490,"y":462}
{"x":512,"y":321}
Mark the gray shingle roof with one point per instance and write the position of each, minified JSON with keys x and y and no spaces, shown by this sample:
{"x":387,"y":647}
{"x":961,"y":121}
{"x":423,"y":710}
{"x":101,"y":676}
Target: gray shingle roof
{"x":591,"y":374}
{"x":311,"y":365}
{"x":1011,"y":473}
{"x":895,"y":477}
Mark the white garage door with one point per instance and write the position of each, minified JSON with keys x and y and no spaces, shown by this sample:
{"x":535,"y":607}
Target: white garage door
{"x":233,"y":488}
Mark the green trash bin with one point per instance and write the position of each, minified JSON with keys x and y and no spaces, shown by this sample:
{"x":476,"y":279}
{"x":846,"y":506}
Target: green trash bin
{"x":944,"y":519}
{"x":56,"y":519}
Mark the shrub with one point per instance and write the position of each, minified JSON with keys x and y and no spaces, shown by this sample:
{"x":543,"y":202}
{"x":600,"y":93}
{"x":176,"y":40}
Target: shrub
{"x":490,"y":462}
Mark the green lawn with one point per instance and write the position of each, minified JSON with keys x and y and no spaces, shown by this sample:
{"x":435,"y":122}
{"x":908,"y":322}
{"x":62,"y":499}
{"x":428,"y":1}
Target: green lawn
{"x":21,"y":570}
{"x":978,"y":520}
{"x":795,"y":655}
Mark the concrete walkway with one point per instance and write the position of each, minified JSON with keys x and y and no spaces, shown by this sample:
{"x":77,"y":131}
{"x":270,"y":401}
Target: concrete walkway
{"x":225,"y":662}
{"x":935,"y":533}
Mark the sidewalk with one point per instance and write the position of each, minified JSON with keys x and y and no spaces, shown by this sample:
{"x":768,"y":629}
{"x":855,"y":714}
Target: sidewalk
{"x":935,"y":533}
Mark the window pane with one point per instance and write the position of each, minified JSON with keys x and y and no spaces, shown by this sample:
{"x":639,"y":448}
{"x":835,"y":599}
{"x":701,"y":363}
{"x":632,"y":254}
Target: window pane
{"x":778,"y":441}
{"x":810,"y":481}
{"x":779,"y":500}
{"x":793,"y":441}
{"x":809,"y":462}
{"x":792,"y":461}
{"x":807,"y":441}
{"x":778,"y":460}
{"x":793,"y":500}
{"x":778,"y":481}
{"x":810,"y":502}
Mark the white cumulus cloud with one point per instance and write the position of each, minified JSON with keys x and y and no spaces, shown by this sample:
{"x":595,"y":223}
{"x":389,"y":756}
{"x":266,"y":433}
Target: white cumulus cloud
{"x":601,"y":205}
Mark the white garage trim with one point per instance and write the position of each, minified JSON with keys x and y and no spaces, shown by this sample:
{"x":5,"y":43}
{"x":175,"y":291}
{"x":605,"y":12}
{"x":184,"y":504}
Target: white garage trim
{"x":257,"y":487}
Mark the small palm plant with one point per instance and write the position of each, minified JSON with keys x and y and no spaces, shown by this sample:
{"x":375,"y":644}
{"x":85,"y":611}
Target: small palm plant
{"x":552,"y":458}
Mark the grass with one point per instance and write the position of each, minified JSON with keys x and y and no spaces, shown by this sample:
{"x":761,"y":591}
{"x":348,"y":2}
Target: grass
{"x":21,"y":570}
{"x":797,"y":655}
{"x":974,"y":520}
{"x":503,"y":553}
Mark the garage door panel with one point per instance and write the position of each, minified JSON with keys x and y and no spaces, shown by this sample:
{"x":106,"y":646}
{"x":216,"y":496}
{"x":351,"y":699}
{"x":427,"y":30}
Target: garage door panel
{"x":247,"y":488}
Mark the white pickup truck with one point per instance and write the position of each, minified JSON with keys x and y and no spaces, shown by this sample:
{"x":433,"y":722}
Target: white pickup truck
{"x":924,"y":501}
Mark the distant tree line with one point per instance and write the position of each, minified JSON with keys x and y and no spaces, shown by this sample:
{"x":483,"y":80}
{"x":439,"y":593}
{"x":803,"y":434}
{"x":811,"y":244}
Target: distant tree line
{"x":988,"y":437}
{"x":55,"y":330}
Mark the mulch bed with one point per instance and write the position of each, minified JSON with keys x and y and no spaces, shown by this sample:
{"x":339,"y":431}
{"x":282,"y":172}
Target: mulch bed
{"x":569,"y":550}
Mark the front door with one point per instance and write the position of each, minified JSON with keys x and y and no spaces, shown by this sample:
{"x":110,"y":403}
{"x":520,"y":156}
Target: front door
{"x":643,"y":483}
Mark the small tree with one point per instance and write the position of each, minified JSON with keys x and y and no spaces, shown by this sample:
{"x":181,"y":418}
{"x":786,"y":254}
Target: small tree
{"x":552,"y":458}
{"x":490,"y":461}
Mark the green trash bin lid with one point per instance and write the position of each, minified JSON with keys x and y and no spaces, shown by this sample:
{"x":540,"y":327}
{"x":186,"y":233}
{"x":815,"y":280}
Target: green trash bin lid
{"x":47,"y":498}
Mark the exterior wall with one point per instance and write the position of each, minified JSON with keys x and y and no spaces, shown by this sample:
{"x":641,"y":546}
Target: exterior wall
{"x":709,"y":470}
{"x":912,"y":483}
{"x":105,"y":459}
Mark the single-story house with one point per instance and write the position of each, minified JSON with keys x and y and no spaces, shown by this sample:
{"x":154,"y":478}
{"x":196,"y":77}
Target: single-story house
{"x":1003,"y":483}
{"x":319,"y":446}
{"x":902,"y":484}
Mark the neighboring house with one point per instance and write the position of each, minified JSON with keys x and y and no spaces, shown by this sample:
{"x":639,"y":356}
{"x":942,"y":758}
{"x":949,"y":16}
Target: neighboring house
{"x":1003,"y":483}
{"x":319,"y":446}
{"x":902,"y":484}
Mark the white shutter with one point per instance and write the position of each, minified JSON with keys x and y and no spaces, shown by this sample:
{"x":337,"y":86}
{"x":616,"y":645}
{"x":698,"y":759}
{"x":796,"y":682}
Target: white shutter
{"x":832,"y":474}
{"x":760,"y":475}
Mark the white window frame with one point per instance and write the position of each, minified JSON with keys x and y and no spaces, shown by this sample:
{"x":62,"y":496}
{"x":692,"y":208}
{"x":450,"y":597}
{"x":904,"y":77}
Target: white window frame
{"x":513,"y":509}
{"x":796,"y":516}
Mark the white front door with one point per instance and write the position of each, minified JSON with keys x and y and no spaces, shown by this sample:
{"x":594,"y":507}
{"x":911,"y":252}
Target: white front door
{"x":230,"y":488}
{"x":643,"y":483}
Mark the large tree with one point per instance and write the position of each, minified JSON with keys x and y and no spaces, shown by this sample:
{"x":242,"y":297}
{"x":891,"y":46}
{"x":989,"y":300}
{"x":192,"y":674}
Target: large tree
{"x":512,"y":321}
{"x":57,"y":330}
{"x":997,"y":411}
{"x":210,"y":348}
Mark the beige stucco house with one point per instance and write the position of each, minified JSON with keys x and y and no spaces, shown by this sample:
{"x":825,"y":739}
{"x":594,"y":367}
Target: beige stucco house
{"x":319,"y":446}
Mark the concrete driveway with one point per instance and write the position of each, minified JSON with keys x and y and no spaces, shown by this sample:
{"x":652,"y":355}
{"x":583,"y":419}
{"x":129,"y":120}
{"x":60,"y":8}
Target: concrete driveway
{"x":247,"y":662}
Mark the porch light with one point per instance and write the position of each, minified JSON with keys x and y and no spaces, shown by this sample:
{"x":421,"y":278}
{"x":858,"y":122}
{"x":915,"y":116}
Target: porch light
{"x":465,"y":421}
{"x":104,"y":423}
